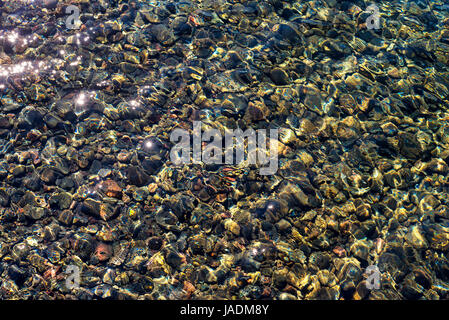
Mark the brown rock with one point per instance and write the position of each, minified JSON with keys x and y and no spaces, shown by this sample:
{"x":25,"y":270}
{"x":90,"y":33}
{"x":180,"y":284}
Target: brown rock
{"x":103,"y":252}
{"x":111,"y":188}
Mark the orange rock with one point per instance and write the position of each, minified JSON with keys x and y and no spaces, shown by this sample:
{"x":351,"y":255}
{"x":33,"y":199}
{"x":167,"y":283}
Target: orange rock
{"x":339,"y":251}
{"x":189,"y":288}
{"x":123,"y":156}
{"x":103,"y":252}
{"x":111,"y":188}
{"x":152,"y":187}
